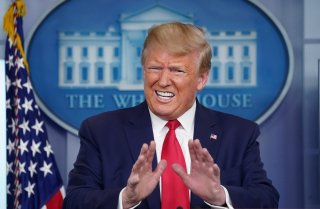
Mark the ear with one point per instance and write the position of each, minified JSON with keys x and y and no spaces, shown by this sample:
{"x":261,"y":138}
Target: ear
{"x":202,"y":80}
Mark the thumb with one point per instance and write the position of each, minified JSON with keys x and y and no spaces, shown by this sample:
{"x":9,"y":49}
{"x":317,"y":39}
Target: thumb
{"x":160,"y":168}
{"x":180,"y":171}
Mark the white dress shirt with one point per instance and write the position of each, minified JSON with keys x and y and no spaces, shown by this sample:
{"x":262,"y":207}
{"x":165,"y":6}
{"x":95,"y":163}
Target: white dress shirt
{"x":184,"y":133}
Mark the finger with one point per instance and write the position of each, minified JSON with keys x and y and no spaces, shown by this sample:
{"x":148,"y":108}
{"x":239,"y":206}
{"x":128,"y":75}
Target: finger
{"x":138,"y":164}
{"x":141,"y":159}
{"x":181,"y":172}
{"x":144,"y":149}
{"x":192,"y":152}
{"x":198,"y":144}
{"x":206,"y":156}
{"x":162,"y":165}
{"x":216,"y":171}
{"x":151,"y":151}
{"x":198,"y":150}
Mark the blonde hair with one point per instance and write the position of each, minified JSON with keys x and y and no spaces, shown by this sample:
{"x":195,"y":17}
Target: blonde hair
{"x":180,"y":39}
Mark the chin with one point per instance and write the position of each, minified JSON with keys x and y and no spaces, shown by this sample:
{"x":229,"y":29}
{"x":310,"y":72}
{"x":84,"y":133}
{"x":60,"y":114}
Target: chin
{"x":162,"y":114}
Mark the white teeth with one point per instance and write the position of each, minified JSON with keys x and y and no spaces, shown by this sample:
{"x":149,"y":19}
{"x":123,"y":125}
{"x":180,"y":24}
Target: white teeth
{"x":164,"y":94}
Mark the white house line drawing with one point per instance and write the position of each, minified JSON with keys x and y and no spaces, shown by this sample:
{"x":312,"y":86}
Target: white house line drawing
{"x":111,"y":58}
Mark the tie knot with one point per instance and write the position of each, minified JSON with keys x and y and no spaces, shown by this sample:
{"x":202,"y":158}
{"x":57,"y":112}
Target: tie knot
{"x":173,"y":124}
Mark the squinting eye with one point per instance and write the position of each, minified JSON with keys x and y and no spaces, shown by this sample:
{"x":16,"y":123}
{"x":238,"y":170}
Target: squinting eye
{"x":154,"y":68}
{"x":177,"y":70}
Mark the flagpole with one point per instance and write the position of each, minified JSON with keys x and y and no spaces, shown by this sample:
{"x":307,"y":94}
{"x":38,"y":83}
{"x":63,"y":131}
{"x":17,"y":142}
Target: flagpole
{"x":3,"y":136}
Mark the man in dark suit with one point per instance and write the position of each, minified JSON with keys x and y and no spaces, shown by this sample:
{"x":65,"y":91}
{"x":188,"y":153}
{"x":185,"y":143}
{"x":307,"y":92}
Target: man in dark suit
{"x":121,"y":160}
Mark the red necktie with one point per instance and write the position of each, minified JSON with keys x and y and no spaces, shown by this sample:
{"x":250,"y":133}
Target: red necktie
{"x":174,"y":193}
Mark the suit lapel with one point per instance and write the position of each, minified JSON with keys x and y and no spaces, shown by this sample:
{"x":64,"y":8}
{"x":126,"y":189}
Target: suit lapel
{"x":207,"y":130}
{"x":139,"y":130}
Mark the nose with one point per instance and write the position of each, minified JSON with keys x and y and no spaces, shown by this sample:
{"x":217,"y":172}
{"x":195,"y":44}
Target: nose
{"x":164,"y":79}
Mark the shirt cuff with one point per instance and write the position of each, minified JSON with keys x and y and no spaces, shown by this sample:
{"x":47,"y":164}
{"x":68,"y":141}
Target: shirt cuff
{"x":228,"y":201}
{"x":120,"y":201}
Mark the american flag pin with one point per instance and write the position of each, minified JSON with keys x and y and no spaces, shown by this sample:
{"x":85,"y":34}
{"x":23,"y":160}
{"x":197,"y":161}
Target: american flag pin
{"x":213,"y":136}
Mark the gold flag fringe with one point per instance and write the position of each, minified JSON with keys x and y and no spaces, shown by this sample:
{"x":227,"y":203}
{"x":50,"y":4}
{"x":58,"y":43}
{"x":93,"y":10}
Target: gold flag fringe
{"x":8,"y":26}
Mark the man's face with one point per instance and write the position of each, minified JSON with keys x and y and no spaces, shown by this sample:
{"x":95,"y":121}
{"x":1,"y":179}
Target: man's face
{"x":171,"y":82}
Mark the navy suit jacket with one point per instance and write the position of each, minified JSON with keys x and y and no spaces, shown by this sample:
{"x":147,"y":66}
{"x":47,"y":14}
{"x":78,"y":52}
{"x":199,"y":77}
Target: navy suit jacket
{"x":111,"y":142}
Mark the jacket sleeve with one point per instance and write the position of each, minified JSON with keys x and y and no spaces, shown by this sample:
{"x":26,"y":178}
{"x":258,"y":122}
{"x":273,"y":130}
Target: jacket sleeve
{"x":85,"y":187}
{"x":255,"y":190}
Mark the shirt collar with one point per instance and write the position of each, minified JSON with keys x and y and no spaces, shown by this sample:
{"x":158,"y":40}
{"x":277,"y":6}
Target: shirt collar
{"x":186,"y":120}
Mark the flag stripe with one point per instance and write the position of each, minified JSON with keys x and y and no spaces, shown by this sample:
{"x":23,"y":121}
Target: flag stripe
{"x":55,"y":201}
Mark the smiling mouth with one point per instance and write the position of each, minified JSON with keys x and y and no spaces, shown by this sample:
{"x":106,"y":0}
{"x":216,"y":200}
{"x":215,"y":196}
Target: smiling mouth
{"x":165,"y":95}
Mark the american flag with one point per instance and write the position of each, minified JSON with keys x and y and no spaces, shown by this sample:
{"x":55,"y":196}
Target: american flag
{"x":213,"y":136}
{"x":33,"y":179}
